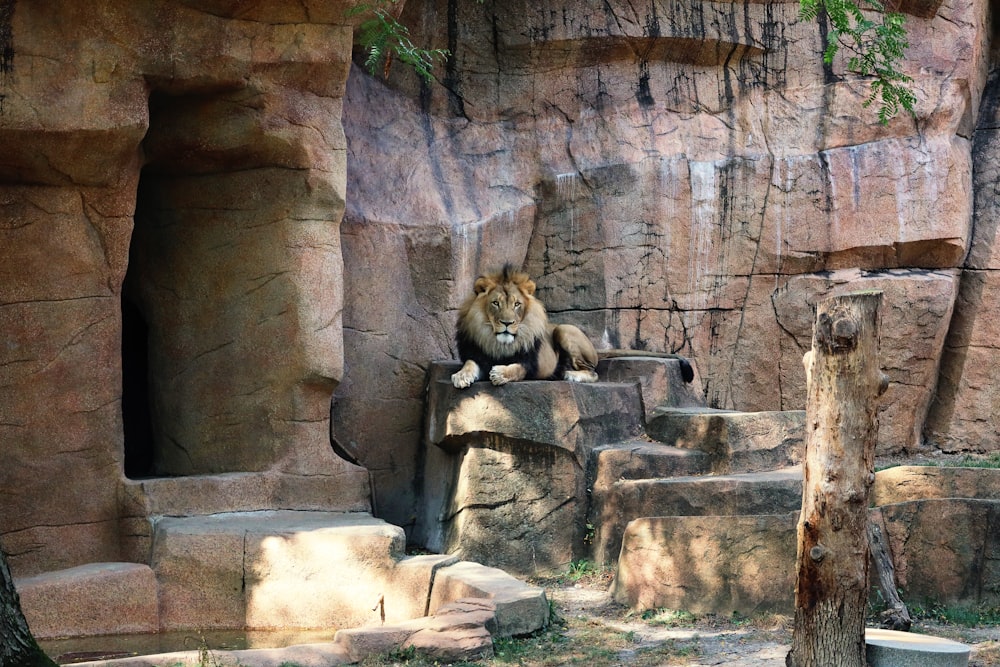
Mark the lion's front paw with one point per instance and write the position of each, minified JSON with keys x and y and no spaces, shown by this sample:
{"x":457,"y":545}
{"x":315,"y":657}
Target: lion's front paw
{"x":497,"y":377}
{"x":468,"y":374}
{"x":580,"y":376}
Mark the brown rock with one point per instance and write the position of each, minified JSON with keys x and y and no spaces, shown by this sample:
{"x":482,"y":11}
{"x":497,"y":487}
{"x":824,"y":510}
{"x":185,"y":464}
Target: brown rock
{"x":905,"y":483}
{"x":710,"y":564}
{"x":953,"y":566}
{"x":229,"y":130}
{"x":93,"y":599}
{"x":520,"y":608}
{"x":916,"y":315}
{"x":513,"y":492}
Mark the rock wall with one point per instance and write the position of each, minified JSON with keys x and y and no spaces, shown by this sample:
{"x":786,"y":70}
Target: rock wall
{"x":192,"y":152}
{"x":677,"y":176}
{"x":210,"y":221}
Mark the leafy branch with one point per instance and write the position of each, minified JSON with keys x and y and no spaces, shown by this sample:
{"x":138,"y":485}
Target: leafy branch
{"x":385,"y":39}
{"x":875,"y":49}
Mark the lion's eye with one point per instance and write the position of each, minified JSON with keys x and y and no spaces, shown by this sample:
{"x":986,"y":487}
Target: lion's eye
{"x":496,"y":304}
{"x":517,"y":304}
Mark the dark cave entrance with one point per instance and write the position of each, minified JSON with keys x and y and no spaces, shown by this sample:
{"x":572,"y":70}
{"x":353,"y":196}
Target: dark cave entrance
{"x":137,"y":394}
{"x":137,"y":420}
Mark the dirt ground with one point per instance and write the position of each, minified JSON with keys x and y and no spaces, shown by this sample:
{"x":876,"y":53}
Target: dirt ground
{"x":589,"y":615}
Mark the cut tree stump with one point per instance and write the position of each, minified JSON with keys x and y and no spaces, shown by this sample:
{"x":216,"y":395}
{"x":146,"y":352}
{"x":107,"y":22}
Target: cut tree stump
{"x":843,"y":383}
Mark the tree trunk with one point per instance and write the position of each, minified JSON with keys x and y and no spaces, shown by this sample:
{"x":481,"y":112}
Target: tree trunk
{"x":843,"y":382}
{"x":18,"y":647}
{"x":895,"y":616}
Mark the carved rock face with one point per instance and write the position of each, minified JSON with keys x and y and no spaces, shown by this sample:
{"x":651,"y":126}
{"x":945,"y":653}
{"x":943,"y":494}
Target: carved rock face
{"x":675,"y":176}
{"x":196,"y":157}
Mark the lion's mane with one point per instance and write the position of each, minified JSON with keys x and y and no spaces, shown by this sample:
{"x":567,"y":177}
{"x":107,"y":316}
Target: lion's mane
{"x":476,"y":332}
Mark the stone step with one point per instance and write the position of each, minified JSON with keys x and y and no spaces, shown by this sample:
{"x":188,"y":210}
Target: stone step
{"x":572,"y":416}
{"x":613,"y":507}
{"x":746,"y":563}
{"x":142,"y":501}
{"x":709,"y":564}
{"x":906,"y":483}
{"x":299,"y":570}
{"x":281,"y":569}
{"x":90,"y":600}
{"x":642,"y":459}
{"x":734,"y":441}
{"x":660,"y":378}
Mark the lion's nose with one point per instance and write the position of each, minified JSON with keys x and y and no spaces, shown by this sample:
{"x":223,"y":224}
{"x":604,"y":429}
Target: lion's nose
{"x":506,"y":323}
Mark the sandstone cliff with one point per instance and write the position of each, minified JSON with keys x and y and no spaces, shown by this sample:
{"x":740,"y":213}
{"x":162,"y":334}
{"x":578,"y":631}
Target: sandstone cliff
{"x":210,"y":220}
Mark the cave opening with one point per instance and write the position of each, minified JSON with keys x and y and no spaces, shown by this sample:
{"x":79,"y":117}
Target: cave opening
{"x":137,"y":411}
{"x":149,"y":259}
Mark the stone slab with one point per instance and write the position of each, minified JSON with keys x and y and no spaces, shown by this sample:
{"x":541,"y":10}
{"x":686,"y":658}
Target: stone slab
{"x":735,"y":441}
{"x":945,"y":550}
{"x":572,"y":416}
{"x":456,"y":632}
{"x":93,"y":599}
{"x":708,"y":495}
{"x":642,"y":459}
{"x":520,"y":608}
{"x":891,"y":648}
{"x":709,"y":564}
{"x":659,"y":378}
{"x":518,"y":506}
{"x":282,"y":569}
{"x":904,"y":483}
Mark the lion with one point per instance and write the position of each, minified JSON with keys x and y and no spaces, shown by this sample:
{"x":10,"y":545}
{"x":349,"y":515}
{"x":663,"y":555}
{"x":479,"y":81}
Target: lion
{"x":504,"y":333}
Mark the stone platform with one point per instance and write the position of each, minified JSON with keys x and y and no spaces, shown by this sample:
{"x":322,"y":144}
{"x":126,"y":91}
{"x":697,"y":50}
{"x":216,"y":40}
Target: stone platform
{"x":282,"y":569}
{"x":631,"y":472}
{"x":889,"y":648}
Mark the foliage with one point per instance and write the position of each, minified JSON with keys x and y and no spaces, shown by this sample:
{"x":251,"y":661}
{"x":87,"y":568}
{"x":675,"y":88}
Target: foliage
{"x":385,"y":39}
{"x":962,"y":615}
{"x":875,"y":48}
{"x":673,"y":618}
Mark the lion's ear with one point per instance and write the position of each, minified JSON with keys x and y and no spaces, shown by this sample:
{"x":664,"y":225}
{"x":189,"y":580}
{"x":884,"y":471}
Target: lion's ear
{"x":482,"y":284}
{"x":527,"y":287}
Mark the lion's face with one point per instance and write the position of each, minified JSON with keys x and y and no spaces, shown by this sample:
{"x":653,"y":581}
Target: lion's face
{"x":502,"y":315}
{"x":504,"y":306}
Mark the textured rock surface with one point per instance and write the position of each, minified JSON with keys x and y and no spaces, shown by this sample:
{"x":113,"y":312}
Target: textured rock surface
{"x":270,"y":570}
{"x":904,"y":483}
{"x":171,"y":184}
{"x":954,"y":566}
{"x":513,"y":493}
{"x":722,"y":564}
{"x":968,"y":391}
{"x":678,"y":177}
{"x":708,"y":564}
{"x":615,"y":506}
{"x":92,"y":599}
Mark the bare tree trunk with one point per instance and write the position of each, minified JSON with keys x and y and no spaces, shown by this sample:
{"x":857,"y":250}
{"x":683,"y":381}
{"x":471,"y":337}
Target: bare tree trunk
{"x":895,"y":616}
{"x":18,"y":647}
{"x":843,"y":383}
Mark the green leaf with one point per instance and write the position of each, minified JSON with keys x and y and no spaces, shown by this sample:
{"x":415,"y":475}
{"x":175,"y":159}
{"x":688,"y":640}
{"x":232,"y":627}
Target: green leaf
{"x":385,"y":39}
{"x":876,"y":48}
